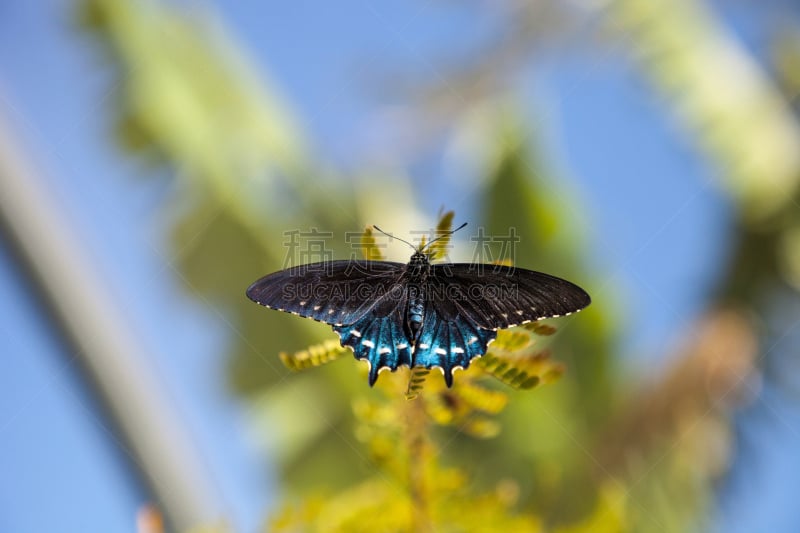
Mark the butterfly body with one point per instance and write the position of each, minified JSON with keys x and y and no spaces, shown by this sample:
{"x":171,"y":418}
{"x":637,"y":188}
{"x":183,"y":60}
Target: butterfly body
{"x":417,"y":274}
{"x":417,"y":314}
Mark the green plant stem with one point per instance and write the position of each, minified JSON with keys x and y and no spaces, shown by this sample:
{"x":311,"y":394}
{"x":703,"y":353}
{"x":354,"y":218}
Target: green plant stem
{"x":416,"y":431}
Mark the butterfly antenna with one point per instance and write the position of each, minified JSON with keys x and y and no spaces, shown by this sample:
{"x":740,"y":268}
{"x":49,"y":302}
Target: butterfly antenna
{"x":393,"y":237}
{"x":445,"y":235}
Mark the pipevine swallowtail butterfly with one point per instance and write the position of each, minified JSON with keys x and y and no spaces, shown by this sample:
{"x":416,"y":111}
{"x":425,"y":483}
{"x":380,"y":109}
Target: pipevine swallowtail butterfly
{"x":417,"y":314}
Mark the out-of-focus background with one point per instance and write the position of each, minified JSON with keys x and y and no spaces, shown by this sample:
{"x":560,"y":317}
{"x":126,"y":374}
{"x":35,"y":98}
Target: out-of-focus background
{"x":154,"y":155}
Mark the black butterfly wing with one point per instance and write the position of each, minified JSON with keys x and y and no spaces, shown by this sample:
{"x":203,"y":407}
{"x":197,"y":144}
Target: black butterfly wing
{"x":366,"y":303}
{"x":497,"y":297}
{"x":333,"y":292}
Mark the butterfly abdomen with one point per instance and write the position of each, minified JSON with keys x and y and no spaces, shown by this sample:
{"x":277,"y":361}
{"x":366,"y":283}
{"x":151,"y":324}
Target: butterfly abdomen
{"x":418,"y":268}
{"x":415,"y":316}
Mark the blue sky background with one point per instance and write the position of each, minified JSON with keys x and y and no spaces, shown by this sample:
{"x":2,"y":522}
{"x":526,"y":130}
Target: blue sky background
{"x":658,"y":227}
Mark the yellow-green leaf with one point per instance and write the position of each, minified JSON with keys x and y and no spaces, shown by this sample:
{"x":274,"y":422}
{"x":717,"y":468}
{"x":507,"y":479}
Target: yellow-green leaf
{"x":439,"y":249}
{"x":369,"y":247}
{"x":315,"y":355}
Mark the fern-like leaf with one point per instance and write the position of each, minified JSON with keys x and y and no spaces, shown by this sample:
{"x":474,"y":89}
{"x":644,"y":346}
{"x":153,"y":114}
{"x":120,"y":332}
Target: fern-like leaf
{"x":482,"y":399}
{"x":369,"y":247}
{"x":540,"y":328}
{"x":439,"y":248}
{"x":315,"y":355}
{"x":466,"y":406}
{"x":416,"y":381}
{"x":512,"y":340}
{"x":521,"y":372}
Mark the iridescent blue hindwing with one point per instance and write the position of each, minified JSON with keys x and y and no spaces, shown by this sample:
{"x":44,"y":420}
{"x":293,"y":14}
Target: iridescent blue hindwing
{"x":378,"y":340}
{"x":449,"y":344}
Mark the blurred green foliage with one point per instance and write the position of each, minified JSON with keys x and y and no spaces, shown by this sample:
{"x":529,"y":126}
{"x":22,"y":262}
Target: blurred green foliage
{"x":593,"y":452}
{"x":721,"y":93}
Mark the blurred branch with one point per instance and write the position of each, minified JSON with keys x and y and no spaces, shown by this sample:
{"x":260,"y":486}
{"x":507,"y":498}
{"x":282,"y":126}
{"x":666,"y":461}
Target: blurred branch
{"x":706,"y":379}
{"x":190,"y":102}
{"x":735,"y":111}
{"x":98,"y":330}
{"x":468,"y":81}
{"x":717,"y":89}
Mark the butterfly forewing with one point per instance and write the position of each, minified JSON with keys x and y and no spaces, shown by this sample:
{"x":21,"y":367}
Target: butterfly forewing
{"x":334,"y":292}
{"x":497,"y":297}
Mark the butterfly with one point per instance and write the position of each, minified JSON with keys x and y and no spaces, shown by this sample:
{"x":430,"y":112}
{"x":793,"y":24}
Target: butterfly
{"x":417,"y":314}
